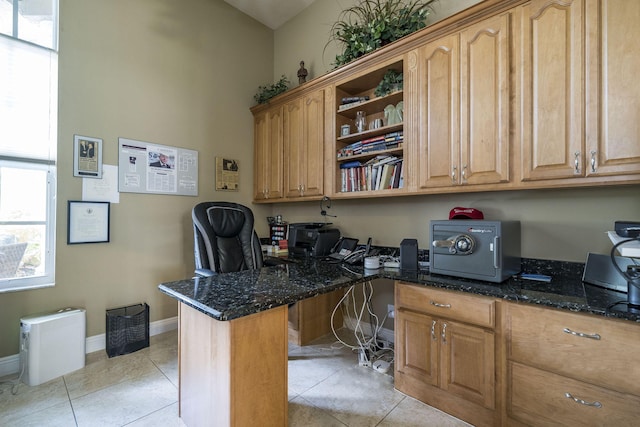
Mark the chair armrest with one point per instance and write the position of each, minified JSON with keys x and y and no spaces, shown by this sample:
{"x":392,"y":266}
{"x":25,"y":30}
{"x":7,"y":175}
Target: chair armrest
{"x":205,"y":272}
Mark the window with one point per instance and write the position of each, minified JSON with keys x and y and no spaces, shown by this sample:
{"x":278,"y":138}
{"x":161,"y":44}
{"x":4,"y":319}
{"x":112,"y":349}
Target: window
{"x":28,"y":137}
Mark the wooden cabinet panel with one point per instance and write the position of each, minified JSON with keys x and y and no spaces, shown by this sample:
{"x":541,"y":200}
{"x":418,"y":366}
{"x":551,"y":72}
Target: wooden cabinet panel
{"x":419,"y":353}
{"x":304,"y":145}
{"x":476,"y":310}
{"x":468,"y":362}
{"x":465,"y":107}
{"x":268,"y":155}
{"x":613,"y":97}
{"x":587,"y":348}
{"x":540,"y":398}
{"x":439,"y":136}
{"x":552,"y":83}
{"x":484,"y":102}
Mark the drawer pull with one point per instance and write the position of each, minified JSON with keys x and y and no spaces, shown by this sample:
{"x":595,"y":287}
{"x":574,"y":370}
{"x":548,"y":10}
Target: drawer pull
{"x":437,"y":304}
{"x":444,"y":334}
{"x":433,"y":331}
{"x":580,"y":334}
{"x":595,"y":404}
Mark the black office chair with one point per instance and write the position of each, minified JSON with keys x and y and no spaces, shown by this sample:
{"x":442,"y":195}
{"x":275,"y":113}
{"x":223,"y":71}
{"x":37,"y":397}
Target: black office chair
{"x":224,"y":238}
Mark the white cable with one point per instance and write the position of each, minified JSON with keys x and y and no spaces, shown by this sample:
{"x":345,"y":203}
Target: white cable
{"x":24,"y":347}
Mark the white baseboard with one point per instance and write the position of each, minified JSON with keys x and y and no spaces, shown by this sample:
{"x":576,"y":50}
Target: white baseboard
{"x":383,"y":333}
{"x":11,"y":364}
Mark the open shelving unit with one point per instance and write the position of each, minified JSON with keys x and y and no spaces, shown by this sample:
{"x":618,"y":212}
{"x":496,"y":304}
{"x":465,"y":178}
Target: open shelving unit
{"x":359,"y":155}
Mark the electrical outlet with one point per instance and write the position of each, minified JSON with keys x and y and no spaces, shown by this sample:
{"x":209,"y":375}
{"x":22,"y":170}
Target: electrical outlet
{"x":391,"y":311}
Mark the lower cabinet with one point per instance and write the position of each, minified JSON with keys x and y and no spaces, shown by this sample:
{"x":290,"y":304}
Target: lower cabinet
{"x":570,"y":369}
{"x":443,"y":358}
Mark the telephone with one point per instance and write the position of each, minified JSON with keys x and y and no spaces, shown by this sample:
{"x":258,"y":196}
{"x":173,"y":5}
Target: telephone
{"x":343,"y":248}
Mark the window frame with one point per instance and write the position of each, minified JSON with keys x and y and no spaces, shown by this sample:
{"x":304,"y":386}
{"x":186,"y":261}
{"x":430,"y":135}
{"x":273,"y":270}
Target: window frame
{"x":22,"y":161}
{"x":47,"y":279}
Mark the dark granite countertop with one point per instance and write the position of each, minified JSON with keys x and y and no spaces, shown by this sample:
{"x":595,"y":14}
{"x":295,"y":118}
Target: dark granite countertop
{"x":233,"y":295}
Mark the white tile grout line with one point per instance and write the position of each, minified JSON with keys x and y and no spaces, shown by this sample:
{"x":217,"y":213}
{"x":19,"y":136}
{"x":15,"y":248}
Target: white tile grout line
{"x":11,"y":364}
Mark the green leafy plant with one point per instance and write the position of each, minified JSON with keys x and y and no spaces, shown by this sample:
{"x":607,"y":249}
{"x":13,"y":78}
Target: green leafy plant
{"x":371,"y":24}
{"x":265,"y":93}
{"x":391,"y":82}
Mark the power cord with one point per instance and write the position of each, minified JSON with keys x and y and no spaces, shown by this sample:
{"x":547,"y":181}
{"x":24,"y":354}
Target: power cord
{"x":24,"y":350}
{"x":370,"y":351}
{"x":632,"y":276}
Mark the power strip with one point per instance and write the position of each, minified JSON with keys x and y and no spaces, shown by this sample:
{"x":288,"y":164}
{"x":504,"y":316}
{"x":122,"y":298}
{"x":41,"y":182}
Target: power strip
{"x":391,"y":264}
{"x":363,"y":358}
{"x":381,"y":366}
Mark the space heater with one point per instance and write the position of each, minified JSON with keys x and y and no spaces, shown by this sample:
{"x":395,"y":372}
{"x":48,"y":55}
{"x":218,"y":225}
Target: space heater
{"x":52,"y":344}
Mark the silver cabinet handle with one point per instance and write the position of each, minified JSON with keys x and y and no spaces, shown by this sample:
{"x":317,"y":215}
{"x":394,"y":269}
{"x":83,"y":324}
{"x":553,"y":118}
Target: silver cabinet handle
{"x":437,"y":304}
{"x":433,"y":330}
{"x":577,"y":162}
{"x":444,"y":333}
{"x":595,"y":404}
{"x":593,"y":161}
{"x":581,"y":334}
{"x":454,"y":175}
{"x":464,"y":173}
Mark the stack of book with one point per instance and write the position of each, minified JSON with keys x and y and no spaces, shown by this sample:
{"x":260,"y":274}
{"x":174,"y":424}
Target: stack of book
{"x":379,"y":173}
{"x":376,"y":143}
{"x":350,"y":101}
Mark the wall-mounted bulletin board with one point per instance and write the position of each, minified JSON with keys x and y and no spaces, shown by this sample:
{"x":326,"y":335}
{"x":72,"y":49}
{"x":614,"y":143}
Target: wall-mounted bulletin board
{"x":144,"y":167}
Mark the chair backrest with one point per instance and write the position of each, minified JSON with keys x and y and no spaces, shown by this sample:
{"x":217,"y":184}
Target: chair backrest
{"x":224,"y":237}
{"x":10,"y":257}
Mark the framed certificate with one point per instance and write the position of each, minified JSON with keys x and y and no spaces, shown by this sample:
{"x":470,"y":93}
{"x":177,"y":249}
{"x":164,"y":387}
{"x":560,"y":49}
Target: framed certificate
{"x":87,"y":222}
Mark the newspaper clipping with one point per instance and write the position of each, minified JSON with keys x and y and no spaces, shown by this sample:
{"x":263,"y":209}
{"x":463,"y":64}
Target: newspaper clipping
{"x":227,"y":174}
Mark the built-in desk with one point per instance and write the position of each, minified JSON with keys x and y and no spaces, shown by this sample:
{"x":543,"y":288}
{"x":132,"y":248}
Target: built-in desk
{"x":233,"y":327}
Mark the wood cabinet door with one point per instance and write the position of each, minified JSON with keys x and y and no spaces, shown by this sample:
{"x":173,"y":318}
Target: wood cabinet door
{"x":304,"y":145}
{"x":417,"y":342}
{"x":551,"y":66}
{"x":468,"y":362}
{"x":439,"y":105}
{"x":268,"y":160}
{"x":613,"y":97}
{"x":484,"y":102}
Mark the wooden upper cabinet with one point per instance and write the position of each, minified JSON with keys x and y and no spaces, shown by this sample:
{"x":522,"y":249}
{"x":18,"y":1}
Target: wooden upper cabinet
{"x":551,"y":63}
{"x":268,"y":160}
{"x":465,"y":105}
{"x":439,"y":137}
{"x":304,"y":145}
{"x":484,"y":101}
{"x":613,"y":92}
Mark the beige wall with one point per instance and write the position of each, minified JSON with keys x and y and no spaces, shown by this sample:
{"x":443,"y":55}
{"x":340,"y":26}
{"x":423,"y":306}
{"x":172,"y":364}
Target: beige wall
{"x":168,"y":72}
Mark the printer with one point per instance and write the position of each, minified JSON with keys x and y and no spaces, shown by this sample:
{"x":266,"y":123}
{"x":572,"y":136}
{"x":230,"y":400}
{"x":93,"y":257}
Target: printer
{"x":312,"y":239}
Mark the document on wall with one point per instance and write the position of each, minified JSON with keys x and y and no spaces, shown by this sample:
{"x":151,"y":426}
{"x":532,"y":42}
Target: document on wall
{"x":104,"y":189}
{"x":158,"y":169}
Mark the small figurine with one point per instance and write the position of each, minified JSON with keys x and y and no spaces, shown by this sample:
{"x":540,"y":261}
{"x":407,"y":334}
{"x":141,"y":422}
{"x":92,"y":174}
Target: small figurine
{"x":302,"y":73}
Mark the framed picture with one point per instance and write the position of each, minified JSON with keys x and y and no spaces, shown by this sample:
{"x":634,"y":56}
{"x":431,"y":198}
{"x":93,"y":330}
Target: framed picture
{"x":227,"y":174}
{"x":87,"y":157}
{"x":87,"y":222}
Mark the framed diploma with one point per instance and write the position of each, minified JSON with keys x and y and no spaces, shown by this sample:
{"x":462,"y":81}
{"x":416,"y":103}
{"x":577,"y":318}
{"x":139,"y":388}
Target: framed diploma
{"x":87,"y":157}
{"x":87,"y":222}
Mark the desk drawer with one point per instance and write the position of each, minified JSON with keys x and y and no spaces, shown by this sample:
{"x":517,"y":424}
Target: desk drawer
{"x":476,"y":310}
{"x":539,"y":398}
{"x":585,"y":347}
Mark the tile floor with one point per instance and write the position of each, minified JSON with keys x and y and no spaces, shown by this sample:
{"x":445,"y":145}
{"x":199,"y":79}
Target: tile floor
{"x":327,"y":387}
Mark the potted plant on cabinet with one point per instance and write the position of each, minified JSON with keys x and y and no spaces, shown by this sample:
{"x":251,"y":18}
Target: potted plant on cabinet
{"x":371,"y":24}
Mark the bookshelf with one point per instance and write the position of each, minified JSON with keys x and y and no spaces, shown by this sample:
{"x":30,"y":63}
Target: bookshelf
{"x":372,"y":159}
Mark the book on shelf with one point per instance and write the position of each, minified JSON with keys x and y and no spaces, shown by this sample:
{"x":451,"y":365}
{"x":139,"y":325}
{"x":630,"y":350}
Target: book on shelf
{"x":352,"y":99}
{"x":352,"y":164}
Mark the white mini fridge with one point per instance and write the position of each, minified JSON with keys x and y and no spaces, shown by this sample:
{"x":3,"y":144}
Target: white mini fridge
{"x":52,"y":344}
